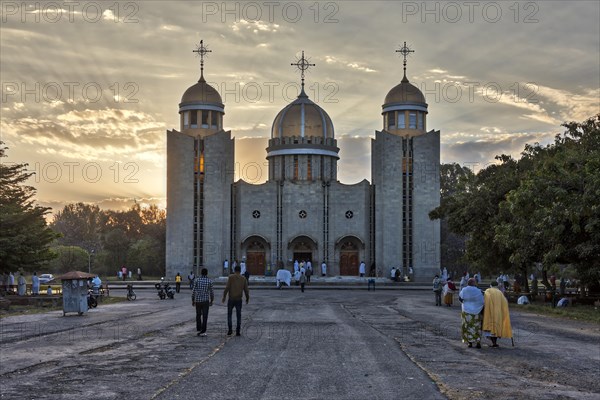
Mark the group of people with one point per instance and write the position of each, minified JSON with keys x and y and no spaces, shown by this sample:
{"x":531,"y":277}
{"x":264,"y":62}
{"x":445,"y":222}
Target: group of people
{"x":485,"y":312}
{"x":396,"y":275}
{"x":234,"y":264}
{"x":203,"y":297}
{"x":8,"y":282}
{"x":124,"y":273}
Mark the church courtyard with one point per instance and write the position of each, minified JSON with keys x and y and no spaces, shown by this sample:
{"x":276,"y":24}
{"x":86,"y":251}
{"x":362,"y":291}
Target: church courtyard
{"x":321,"y":344}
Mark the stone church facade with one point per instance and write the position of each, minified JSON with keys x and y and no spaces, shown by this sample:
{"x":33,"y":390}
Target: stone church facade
{"x":302,"y":212}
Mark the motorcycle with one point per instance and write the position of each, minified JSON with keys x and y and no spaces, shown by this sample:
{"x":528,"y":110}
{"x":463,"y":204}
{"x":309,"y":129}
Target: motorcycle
{"x":130,"y":293}
{"x":91,"y":299}
{"x":164,"y":290}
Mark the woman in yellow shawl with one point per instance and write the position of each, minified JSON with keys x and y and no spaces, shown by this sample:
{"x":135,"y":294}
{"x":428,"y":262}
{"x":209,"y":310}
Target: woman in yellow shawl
{"x":496,"y":320}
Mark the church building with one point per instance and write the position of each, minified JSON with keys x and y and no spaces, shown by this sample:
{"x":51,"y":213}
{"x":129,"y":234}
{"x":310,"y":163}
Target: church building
{"x":303,"y":212}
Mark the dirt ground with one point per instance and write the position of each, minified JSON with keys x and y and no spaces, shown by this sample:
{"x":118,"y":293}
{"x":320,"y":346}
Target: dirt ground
{"x":396,"y":344}
{"x":552,"y":358}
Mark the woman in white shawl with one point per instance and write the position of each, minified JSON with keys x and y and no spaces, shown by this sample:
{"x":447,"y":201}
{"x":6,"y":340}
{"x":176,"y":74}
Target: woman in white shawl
{"x":472,"y":304}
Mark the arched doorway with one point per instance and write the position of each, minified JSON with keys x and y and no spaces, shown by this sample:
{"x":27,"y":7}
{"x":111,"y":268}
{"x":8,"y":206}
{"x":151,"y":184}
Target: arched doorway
{"x":349,"y":255}
{"x":302,"y":248}
{"x":255,"y":249}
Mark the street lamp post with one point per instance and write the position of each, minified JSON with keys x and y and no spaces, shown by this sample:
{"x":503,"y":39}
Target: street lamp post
{"x":90,"y":261}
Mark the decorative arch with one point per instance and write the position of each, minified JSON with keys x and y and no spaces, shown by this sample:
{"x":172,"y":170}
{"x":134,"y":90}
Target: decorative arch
{"x":302,"y":248}
{"x":261,"y":237}
{"x":302,"y":239}
{"x":354,"y":237}
{"x":348,"y":251}
{"x":256,"y":250}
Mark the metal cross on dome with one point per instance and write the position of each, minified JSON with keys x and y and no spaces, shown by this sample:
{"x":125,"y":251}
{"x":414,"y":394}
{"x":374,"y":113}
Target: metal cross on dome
{"x":201,"y":50}
{"x":303,"y":65}
{"x":405,"y":51}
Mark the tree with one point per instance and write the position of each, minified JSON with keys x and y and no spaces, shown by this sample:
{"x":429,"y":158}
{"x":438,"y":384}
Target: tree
{"x":473,"y":210}
{"x":80,"y":225}
{"x":453,"y":178}
{"x":554,"y":214}
{"x":69,"y":258}
{"x":24,"y":234}
{"x":145,"y":253}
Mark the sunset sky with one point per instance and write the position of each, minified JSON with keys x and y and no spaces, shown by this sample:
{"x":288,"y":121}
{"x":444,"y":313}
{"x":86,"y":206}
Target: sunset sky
{"x":89,"y":89}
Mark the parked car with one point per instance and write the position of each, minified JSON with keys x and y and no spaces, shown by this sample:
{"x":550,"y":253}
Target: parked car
{"x":45,"y":278}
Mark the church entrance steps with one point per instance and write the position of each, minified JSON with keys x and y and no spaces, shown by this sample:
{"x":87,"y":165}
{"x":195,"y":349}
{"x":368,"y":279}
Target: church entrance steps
{"x":269,"y":282}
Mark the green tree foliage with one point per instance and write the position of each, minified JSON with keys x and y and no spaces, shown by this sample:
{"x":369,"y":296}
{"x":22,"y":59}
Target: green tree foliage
{"x":116,"y":237}
{"x":80,"y":225}
{"x":24,"y":234}
{"x":145,"y":254}
{"x":555,"y":211}
{"x":69,"y":258}
{"x":453,"y":246}
{"x":472,"y":210}
{"x":543,"y":207}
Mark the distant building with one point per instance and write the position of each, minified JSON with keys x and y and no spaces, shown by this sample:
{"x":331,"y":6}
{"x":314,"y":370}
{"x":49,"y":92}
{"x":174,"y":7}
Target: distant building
{"x":302,"y":212}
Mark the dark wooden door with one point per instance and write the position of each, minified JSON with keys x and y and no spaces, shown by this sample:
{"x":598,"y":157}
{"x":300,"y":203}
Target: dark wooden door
{"x":255,"y":263}
{"x":349,"y":263}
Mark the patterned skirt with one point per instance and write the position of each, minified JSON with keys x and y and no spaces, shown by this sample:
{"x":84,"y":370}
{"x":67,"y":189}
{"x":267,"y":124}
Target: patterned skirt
{"x":471,"y":327}
{"x":448,"y":298}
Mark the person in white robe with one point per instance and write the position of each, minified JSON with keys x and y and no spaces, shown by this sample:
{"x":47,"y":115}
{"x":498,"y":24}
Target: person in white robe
{"x":362,"y":269}
{"x":444,"y":275}
{"x":35,"y":284}
{"x":284,"y":276}
{"x":22,"y":285}
{"x":296,"y":266}
{"x":323,"y":269}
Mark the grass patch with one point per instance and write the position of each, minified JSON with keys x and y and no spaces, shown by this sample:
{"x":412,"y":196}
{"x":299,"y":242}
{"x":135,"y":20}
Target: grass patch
{"x":34,"y":309}
{"x":578,"y":312}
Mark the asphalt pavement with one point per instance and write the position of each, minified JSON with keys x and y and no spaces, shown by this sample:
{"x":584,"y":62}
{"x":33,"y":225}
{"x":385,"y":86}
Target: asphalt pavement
{"x":320,"y":344}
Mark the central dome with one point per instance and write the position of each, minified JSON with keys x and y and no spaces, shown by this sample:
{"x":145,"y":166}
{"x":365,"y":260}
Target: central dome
{"x":201,"y":93}
{"x":405,"y":92}
{"x":302,"y":118}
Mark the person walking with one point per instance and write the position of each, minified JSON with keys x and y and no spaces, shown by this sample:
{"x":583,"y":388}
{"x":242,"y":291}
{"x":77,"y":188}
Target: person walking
{"x":178,"y":282}
{"x":191,"y":278}
{"x":362,"y":269}
{"x":323,"y":269}
{"x":237,"y":285}
{"x":244,"y":270}
{"x":449,"y":289}
{"x":202,"y":298}
{"x":496,"y":319}
{"x":437,"y":290}
{"x":309,"y":272}
{"x":472,"y":304}
{"x":139,"y":274}
{"x":302,"y":281}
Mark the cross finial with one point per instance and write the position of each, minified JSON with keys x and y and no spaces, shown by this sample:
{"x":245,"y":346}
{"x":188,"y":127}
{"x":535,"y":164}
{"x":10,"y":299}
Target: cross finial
{"x":303,"y":65}
{"x":201,"y":50}
{"x":405,"y":51}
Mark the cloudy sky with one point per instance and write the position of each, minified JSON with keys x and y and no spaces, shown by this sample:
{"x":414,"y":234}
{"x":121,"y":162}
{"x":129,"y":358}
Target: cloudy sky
{"x":89,"y":88}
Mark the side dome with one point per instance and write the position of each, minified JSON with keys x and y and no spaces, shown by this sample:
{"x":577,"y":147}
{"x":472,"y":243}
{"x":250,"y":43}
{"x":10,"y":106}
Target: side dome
{"x":405,"y":92}
{"x":201,"y":93}
{"x":302,"y":118}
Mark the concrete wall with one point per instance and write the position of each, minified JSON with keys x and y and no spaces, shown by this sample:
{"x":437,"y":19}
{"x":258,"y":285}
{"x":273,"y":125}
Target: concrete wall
{"x":426,"y":197}
{"x":261,"y":198}
{"x":344,"y":198}
{"x":219,"y":173}
{"x":180,"y":203}
{"x":386,"y":170}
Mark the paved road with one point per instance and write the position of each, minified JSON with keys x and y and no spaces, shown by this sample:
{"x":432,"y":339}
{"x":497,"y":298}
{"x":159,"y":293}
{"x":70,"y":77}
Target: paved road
{"x":312,"y":345}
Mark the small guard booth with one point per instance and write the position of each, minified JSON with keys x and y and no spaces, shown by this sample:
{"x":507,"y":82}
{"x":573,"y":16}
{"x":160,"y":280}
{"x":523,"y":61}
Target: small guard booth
{"x":75,"y":291}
